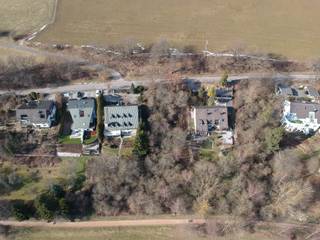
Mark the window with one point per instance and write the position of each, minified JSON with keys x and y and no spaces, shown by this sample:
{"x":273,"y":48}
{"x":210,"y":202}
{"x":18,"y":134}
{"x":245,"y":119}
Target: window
{"x":81,"y":113}
{"x":24,"y":117}
{"x":312,"y":116}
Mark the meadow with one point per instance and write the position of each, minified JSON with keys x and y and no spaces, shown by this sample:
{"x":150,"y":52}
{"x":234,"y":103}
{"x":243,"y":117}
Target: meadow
{"x":287,"y":27}
{"x":22,"y":17}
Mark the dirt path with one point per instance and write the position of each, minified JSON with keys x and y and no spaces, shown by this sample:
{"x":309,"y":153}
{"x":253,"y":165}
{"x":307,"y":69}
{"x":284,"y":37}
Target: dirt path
{"x":36,"y":52}
{"x":148,"y":222}
{"x":127,"y":82}
{"x":113,"y":223}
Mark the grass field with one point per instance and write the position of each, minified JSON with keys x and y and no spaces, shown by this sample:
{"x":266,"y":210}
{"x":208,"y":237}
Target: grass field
{"x":287,"y":27}
{"x":45,"y":176}
{"x":24,"y":16}
{"x":129,"y":233}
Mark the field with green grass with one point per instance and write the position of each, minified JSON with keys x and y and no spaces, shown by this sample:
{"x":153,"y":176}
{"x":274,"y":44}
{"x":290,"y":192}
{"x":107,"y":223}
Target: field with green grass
{"x":37,"y":179}
{"x":286,"y":27}
{"x":25,"y":16}
{"x":67,"y":140}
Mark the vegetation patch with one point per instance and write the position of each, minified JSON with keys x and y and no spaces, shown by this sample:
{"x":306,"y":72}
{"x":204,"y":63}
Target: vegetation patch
{"x":68,"y":140}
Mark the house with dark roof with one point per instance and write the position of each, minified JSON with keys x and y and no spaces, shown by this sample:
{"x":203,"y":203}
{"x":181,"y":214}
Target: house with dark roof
{"x":121,"y":120}
{"x":82,"y":113}
{"x":210,"y":119}
{"x":301,"y":117}
{"x":40,"y":113}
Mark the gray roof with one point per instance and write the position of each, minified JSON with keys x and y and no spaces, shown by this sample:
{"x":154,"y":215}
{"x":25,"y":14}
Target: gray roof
{"x":34,"y":111}
{"x":312,"y":91}
{"x":211,"y":118}
{"x":121,"y":117}
{"x":285,"y":91}
{"x":302,"y":110}
{"x":81,"y":111}
{"x":305,"y":92}
{"x":41,"y":104}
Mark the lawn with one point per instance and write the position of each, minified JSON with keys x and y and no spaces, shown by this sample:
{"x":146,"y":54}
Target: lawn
{"x":36,"y":179}
{"x":90,"y":140}
{"x":25,"y":16}
{"x":126,"y":150}
{"x":33,"y":185}
{"x":67,"y":140}
{"x":281,"y":26}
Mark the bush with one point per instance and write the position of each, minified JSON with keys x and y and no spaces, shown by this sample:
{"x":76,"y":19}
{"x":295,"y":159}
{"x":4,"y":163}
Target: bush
{"x":51,"y":202}
{"x":273,"y":138}
{"x":23,"y":211}
{"x":46,"y":206}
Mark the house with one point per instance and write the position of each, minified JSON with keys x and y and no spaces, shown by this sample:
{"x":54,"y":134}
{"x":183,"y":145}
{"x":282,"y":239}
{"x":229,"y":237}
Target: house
{"x":83,"y":115}
{"x":210,"y":119}
{"x":40,"y":113}
{"x":302,"y":92}
{"x":121,"y":120}
{"x":301,"y":117}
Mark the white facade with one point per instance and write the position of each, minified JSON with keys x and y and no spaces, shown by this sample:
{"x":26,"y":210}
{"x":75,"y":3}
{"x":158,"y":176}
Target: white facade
{"x":41,"y":125}
{"x":68,"y":154}
{"x":293,"y":123}
{"x":118,"y":133}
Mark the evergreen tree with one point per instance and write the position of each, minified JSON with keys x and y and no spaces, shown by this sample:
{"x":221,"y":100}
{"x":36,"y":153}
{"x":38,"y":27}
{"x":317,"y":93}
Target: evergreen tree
{"x":224,"y":79}
{"x":202,"y":95}
{"x":100,"y":124}
{"x":141,"y":146}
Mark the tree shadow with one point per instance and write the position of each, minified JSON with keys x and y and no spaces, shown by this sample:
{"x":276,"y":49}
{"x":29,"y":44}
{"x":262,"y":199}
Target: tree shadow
{"x":293,"y":139}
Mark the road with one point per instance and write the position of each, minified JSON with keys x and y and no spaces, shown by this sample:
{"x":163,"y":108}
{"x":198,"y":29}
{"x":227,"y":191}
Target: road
{"x":113,"y":223}
{"x":127,"y":82}
{"x":146,"y":222}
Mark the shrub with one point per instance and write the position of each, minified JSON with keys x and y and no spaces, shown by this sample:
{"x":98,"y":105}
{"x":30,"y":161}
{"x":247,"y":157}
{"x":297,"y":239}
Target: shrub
{"x":46,"y":206}
{"x":273,"y":138}
{"x":22,"y":211}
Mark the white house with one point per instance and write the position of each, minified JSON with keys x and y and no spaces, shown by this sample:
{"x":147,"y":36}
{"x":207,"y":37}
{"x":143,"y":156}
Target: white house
{"x":121,"y":120}
{"x":301,"y":117}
